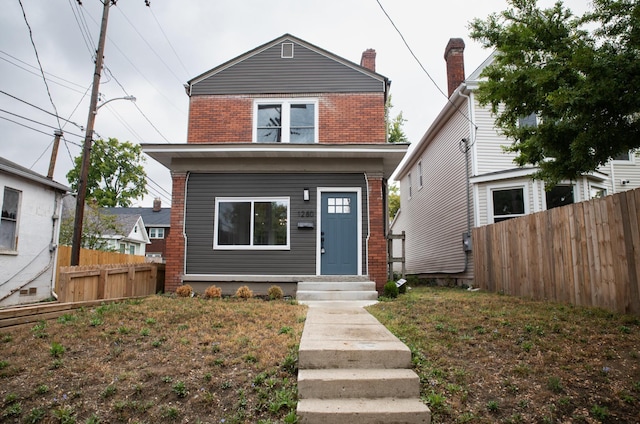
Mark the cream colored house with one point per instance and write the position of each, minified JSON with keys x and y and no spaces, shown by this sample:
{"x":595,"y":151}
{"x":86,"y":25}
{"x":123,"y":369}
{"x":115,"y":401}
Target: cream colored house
{"x":458,"y":176}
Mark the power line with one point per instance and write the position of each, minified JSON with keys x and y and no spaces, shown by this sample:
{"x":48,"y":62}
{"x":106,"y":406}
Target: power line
{"x":26,"y":126}
{"x":422,"y":67}
{"x":41,"y":109}
{"x":84,"y":29}
{"x":169,"y":42}
{"x":33,"y":73}
{"x":149,"y":45}
{"x":38,"y":122}
{"x":26,"y":21}
{"x":136,"y":105}
{"x":159,"y":186}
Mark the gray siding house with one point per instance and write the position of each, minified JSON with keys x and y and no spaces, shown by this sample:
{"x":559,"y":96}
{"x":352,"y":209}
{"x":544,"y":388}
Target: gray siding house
{"x":283,"y":176}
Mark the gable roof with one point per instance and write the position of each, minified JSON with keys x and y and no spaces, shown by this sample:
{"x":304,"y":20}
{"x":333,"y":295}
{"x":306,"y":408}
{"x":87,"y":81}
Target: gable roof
{"x":20,"y":171}
{"x":125,"y":225}
{"x":151,"y":218}
{"x":264,"y":70}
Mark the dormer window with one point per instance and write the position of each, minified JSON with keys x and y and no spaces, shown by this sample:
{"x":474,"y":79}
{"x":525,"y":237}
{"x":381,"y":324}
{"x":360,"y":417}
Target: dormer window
{"x":286,"y":121}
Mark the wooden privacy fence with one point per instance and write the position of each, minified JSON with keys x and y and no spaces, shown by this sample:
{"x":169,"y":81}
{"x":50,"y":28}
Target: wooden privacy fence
{"x":94,"y":282}
{"x":586,"y":254}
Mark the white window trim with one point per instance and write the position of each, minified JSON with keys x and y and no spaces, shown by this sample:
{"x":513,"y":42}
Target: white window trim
{"x":155,"y":230}
{"x":16,"y":239}
{"x":630,"y":161}
{"x":596,"y":187}
{"x":286,"y":104}
{"x":507,"y":186}
{"x":420,"y":182}
{"x":219,"y":200}
{"x":321,"y":190}
{"x":410,"y":186}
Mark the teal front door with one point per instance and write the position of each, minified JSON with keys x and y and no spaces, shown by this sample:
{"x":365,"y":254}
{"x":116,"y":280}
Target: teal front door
{"x":339,"y":233}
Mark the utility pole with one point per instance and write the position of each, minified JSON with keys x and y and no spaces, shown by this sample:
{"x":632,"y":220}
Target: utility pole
{"x":54,"y":153}
{"x":88,"y":139}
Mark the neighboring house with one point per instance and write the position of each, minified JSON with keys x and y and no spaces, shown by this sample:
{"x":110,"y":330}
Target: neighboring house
{"x":129,"y":236}
{"x":284,"y":173}
{"x":435,"y":181}
{"x":157,"y":222}
{"x":29,"y":230}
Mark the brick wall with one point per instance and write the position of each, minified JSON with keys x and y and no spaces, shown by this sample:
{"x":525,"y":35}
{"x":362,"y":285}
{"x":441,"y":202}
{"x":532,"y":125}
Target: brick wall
{"x":175,"y":240}
{"x":344,"y":118}
{"x":377,"y":248}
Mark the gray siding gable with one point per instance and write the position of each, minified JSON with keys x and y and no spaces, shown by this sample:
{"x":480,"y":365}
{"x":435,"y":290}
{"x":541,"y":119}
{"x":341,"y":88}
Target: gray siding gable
{"x":264,"y":71}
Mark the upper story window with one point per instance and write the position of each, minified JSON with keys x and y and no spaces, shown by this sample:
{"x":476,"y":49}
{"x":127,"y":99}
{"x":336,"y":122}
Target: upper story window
{"x":420,"y":175}
{"x":624,"y":156}
{"x":286,"y":121}
{"x":156,"y":233}
{"x":410,"y":185}
{"x":528,"y":121}
{"x":9,"y":220}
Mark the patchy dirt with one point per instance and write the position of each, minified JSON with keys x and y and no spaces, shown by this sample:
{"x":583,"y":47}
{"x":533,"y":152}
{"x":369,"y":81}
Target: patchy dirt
{"x":487,"y":358}
{"x":162,"y":359}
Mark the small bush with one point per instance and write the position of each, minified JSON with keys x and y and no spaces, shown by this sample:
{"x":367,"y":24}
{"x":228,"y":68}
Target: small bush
{"x":184,"y":291}
{"x":275,"y":293}
{"x":213,"y":292}
{"x":244,"y":293}
{"x":390,"y":290}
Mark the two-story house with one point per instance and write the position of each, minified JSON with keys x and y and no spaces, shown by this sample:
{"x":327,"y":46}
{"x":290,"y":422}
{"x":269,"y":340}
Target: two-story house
{"x":157,"y":223}
{"x":458,"y":176}
{"x":283,"y":176}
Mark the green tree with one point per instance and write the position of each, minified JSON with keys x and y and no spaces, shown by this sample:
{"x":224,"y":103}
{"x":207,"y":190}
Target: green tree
{"x":394,"y":200}
{"x":116,"y":173}
{"x":95,"y":224}
{"x":395,"y":133}
{"x":580,"y":75}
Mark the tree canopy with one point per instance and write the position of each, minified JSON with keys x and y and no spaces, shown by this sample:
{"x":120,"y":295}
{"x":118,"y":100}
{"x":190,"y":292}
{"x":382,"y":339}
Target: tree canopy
{"x":580,"y":75}
{"x":116,"y":174}
{"x":395,"y":133}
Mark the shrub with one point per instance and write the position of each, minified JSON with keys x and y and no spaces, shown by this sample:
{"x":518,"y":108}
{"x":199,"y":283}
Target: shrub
{"x":213,"y":292}
{"x":184,"y":291}
{"x":275,"y":292}
{"x":244,"y":293}
{"x":390,"y":290}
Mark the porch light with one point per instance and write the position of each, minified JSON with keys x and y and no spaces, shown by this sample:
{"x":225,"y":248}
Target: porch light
{"x":305,"y":194}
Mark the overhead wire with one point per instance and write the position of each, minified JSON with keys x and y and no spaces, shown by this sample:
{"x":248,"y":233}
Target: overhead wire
{"x":26,"y":21}
{"x":41,"y":109}
{"x":38,"y":122}
{"x":169,"y":42}
{"x":422,"y":66}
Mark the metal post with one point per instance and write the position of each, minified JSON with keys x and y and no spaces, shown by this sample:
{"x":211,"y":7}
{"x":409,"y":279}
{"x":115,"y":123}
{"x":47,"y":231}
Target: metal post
{"x":86,"y":150}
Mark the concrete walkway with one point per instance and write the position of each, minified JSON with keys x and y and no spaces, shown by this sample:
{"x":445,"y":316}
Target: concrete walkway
{"x":352,"y":369}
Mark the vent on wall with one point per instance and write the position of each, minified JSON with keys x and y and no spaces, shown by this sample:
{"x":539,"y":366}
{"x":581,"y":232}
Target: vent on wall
{"x":287,"y":50}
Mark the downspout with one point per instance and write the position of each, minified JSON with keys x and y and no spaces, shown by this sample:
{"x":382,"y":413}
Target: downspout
{"x":366,"y":252}
{"x":53,"y":247}
{"x":465,"y":147}
{"x":184,"y":226}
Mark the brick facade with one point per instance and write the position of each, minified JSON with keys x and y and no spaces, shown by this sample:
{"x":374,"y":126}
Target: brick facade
{"x":175,"y":241}
{"x":343,"y":118}
{"x":377,"y":247}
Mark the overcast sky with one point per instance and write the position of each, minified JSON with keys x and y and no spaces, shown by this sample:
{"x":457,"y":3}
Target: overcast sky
{"x":151,"y":52}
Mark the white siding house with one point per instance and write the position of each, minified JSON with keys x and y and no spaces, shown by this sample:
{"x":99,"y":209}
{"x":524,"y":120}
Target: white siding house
{"x":437,"y":215}
{"x":29,"y":229}
{"x":130,"y":237}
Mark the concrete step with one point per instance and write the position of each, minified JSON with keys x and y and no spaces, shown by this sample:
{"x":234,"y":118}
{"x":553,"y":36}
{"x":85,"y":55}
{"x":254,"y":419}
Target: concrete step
{"x":337,"y":286}
{"x":337,"y":295}
{"x":318,"y":354}
{"x":363,"y":411}
{"x":357,"y":383}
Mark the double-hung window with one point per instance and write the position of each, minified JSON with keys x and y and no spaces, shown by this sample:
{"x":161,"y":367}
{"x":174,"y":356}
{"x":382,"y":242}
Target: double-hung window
{"x":286,"y":121}
{"x":9,"y":220}
{"x":156,"y":233}
{"x":252,"y":223}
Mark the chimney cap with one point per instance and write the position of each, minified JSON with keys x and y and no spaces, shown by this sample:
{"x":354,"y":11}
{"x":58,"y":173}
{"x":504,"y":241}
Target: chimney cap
{"x":454,"y":44}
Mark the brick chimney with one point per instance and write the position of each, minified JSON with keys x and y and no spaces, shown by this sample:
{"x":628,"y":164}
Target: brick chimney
{"x":157,"y":204}
{"x":454,"y":56}
{"x":369,"y":59}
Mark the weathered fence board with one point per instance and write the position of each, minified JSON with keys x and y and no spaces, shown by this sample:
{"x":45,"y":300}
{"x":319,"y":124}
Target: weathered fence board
{"x":93,"y":282}
{"x":586,"y":254}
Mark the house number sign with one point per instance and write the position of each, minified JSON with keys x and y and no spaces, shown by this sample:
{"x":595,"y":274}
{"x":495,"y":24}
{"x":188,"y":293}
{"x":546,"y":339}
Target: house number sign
{"x":306,"y":214}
